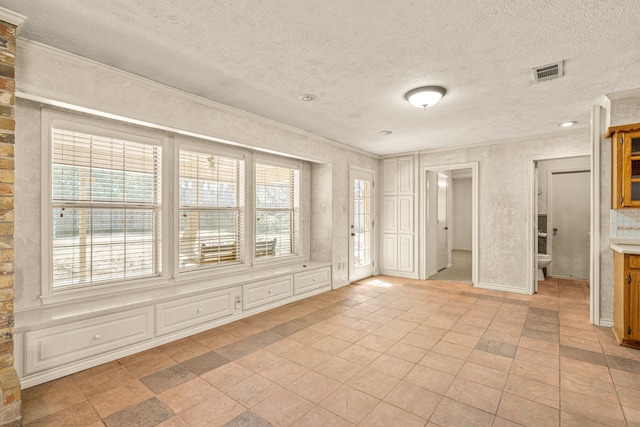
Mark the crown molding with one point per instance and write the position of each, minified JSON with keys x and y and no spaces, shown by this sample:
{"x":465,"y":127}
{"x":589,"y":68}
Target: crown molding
{"x":521,"y":139}
{"x":623,"y":94}
{"x":12,"y":18}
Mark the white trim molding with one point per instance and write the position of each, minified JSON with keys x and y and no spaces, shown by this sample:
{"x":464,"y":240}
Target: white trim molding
{"x":12,"y":18}
{"x":594,"y":279}
{"x":503,"y":288}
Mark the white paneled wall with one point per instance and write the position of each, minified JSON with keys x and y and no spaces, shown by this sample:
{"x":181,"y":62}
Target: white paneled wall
{"x":398,"y":217}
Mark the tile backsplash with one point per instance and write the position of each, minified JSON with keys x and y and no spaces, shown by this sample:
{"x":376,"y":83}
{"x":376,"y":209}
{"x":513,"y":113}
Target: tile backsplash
{"x":625,"y":224}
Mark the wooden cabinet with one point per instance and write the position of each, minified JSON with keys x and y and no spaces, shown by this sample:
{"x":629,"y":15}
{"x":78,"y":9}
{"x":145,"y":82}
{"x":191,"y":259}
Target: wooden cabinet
{"x":626,"y":322}
{"x":625,"y":165}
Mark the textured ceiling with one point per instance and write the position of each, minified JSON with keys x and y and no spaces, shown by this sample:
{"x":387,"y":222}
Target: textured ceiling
{"x":360,"y":57}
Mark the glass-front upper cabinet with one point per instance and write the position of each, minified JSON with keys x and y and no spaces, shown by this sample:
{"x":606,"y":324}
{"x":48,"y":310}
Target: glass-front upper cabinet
{"x":625,"y":171}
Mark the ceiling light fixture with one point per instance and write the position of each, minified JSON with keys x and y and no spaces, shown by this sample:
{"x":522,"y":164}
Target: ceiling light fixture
{"x":425,"y":96}
{"x":385,"y":132}
{"x":567,"y":124}
{"x":307,"y":97}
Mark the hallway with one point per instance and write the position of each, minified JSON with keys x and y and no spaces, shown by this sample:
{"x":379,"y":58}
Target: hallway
{"x":384,"y":351}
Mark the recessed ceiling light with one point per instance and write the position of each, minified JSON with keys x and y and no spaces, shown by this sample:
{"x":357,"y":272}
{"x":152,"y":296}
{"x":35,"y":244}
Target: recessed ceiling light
{"x":567,"y":124}
{"x":307,"y":97}
{"x":385,"y":132}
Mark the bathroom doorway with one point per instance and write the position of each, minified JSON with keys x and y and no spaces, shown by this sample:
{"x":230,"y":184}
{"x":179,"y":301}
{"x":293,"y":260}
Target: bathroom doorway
{"x":449,"y":223}
{"x":562,"y":218}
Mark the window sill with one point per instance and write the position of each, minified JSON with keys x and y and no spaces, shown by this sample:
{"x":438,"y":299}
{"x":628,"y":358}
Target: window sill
{"x":63,"y":296}
{"x":184,"y":282}
{"x":277,"y":261}
{"x":212,"y":272}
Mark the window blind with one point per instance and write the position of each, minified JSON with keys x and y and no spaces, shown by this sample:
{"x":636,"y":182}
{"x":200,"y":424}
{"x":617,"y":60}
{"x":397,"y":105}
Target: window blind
{"x":277,"y":210}
{"x":106,"y":202}
{"x":211,"y":210}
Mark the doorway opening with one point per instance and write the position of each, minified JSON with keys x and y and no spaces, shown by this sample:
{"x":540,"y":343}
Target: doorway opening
{"x":449,"y":223}
{"x":562,"y":219}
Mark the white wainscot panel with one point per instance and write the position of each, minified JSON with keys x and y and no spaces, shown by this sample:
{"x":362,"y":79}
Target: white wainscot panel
{"x":405,"y":253}
{"x":59,"y":345}
{"x":390,"y":176}
{"x":176,"y":315}
{"x":390,"y":214}
{"x":405,"y":214}
{"x":310,"y":280}
{"x":260,"y":293}
{"x":390,"y":260}
{"x":405,"y":175}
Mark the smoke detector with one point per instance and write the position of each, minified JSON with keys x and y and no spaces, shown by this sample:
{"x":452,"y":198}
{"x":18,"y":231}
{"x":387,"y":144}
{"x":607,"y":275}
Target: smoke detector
{"x":548,"y":72}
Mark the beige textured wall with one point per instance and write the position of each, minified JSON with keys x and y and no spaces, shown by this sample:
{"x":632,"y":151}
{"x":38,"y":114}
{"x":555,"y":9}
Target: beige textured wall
{"x":505,"y":172}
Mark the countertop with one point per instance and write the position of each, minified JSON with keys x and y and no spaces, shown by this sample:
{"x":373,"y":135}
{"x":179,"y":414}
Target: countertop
{"x":625,"y":248}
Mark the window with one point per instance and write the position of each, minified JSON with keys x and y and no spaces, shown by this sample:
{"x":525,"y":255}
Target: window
{"x":277,"y":211}
{"x":211,"y":210}
{"x":106,"y":205}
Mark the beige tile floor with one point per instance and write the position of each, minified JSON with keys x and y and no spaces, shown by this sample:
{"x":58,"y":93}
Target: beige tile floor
{"x":460,"y":270}
{"x":383,"y":352}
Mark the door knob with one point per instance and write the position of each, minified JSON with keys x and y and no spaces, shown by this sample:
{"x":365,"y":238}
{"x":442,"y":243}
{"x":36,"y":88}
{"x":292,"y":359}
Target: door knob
{"x":353,"y":234}
{"x":555,"y":231}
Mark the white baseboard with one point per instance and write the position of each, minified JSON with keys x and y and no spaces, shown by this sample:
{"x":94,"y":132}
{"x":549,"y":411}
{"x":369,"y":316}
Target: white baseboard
{"x":399,"y":274}
{"x":503,"y":288}
{"x":607,"y":323}
{"x":337,"y":285}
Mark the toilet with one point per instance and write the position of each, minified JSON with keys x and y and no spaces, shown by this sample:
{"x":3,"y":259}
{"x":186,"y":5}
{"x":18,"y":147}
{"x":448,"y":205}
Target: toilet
{"x":543,"y":261}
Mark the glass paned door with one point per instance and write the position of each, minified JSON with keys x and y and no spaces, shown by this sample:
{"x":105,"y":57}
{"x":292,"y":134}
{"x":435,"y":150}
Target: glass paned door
{"x":361,"y":227}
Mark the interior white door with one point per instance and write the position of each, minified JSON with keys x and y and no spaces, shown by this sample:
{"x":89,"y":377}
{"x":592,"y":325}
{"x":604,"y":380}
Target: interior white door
{"x":361,"y":227}
{"x":443,"y":257}
{"x":570,"y":224}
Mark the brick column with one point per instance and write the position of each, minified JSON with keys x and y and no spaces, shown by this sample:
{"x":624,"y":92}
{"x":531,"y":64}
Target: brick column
{"x":10,"y":404}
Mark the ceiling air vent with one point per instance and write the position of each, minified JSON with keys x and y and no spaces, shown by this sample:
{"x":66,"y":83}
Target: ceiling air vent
{"x":547,"y":72}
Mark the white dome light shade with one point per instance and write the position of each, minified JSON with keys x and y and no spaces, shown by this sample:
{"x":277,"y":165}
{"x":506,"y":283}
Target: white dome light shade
{"x":426,"y":96}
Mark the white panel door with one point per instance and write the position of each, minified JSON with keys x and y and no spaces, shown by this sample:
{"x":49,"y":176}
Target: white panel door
{"x":390,"y":176}
{"x":390,"y":258}
{"x":405,"y":175}
{"x":570,"y":218}
{"x":405,"y":253}
{"x":405,"y":214}
{"x":361,"y":228}
{"x":443,"y":255}
{"x":390,"y":214}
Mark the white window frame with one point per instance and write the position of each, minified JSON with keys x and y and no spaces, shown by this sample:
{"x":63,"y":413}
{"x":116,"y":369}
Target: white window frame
{"x":206,"y":147}
{"x":51,"y":119}
{"x":297,"y":220}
